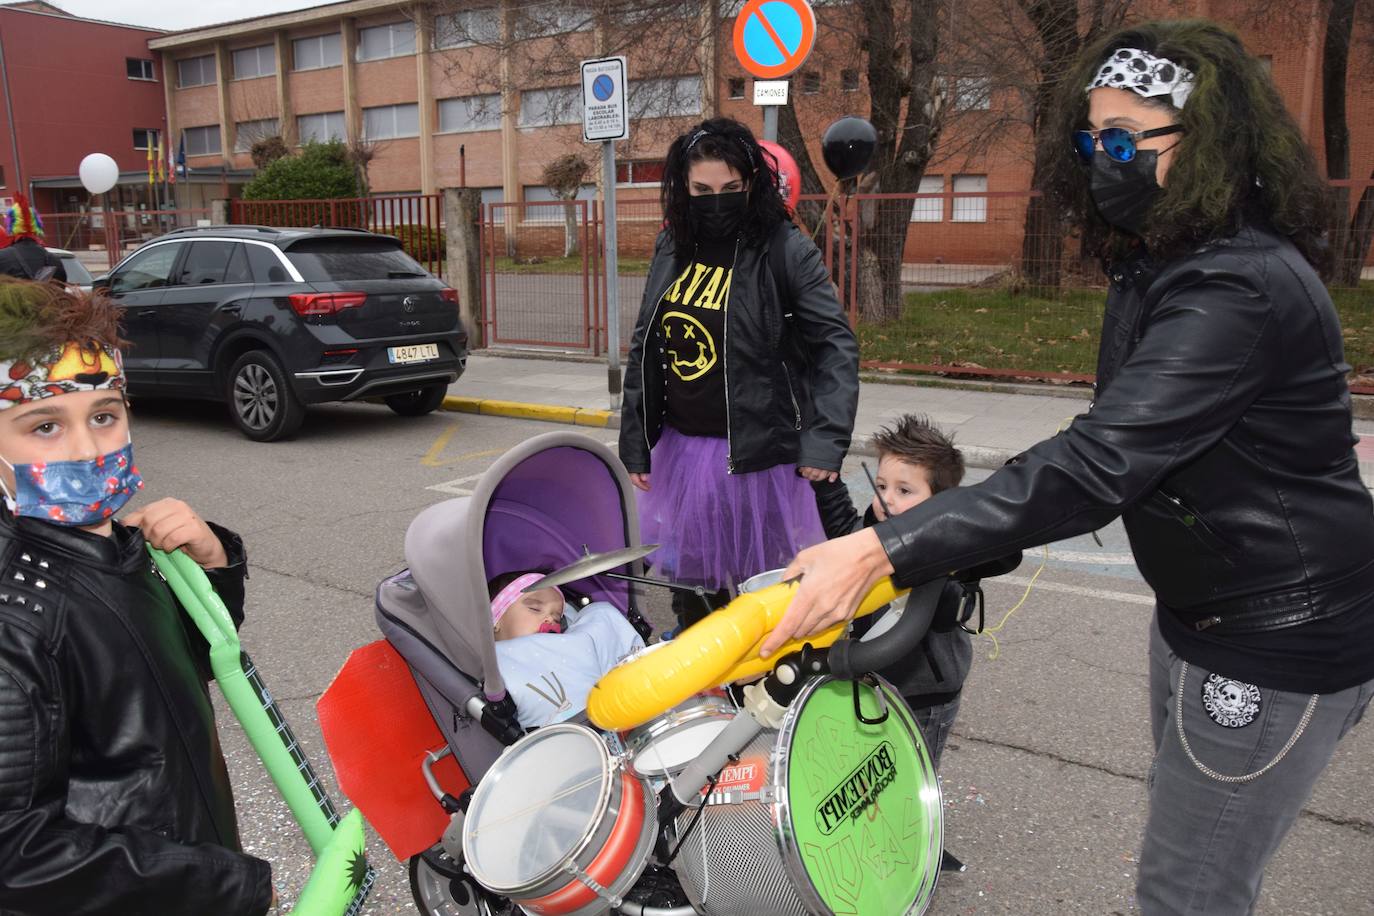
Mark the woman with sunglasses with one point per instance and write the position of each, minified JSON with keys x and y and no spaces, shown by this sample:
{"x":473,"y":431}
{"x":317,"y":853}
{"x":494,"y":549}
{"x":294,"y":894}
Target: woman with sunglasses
{"x":1220,"y":432}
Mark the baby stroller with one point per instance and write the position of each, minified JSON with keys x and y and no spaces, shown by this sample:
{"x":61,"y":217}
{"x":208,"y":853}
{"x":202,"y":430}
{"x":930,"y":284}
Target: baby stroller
{"x":697,"y":810}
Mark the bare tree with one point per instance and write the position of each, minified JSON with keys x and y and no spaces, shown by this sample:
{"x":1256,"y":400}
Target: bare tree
{"x":361,"y":153}
{"x":1350,"y":240}
{"x":564,"y":177}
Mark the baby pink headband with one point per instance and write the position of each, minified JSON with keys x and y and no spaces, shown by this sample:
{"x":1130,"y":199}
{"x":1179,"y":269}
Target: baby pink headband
{"x":511,"y":594}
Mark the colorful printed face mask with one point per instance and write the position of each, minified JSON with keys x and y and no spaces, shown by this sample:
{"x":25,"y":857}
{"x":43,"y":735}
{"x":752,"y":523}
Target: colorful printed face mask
{"x":75,"y":493}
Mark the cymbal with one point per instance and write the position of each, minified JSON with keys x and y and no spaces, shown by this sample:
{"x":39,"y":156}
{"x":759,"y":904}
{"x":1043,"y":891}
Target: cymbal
{"x":593,"y":564}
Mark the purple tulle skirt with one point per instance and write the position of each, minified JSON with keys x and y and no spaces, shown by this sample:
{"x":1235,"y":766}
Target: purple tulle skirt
{"x":718,"y":529}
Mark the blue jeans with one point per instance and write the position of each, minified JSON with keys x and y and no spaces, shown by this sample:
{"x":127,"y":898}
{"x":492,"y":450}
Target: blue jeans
{"x":935,"y":723}
{"x":1209,"y":835}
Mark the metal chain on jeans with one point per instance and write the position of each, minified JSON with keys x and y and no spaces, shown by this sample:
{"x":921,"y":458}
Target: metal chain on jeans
{"x":1219,"y":777}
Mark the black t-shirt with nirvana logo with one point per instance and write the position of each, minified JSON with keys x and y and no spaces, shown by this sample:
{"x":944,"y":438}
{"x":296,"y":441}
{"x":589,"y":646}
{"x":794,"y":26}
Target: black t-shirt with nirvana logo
{"x":692,"y":323}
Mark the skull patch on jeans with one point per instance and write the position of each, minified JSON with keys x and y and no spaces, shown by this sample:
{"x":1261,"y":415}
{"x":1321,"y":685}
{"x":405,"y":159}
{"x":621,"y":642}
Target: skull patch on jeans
{"x":1232,"y":704}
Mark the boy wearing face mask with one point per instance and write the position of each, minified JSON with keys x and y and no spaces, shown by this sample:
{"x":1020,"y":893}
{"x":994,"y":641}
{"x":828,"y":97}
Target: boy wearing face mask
{"x":114,"y":796}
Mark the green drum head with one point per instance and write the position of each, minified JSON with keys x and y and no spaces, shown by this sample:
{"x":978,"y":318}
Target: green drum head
{"x":858,"y":808}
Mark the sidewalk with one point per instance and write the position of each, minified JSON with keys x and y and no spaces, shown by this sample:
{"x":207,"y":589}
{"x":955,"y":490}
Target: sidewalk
{"x":989,"y":426}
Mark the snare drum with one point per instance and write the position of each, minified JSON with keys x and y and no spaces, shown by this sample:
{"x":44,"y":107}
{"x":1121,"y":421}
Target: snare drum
{"x":665,"y":744}
{"x":557,"y":826}
{"x":829,"y":815}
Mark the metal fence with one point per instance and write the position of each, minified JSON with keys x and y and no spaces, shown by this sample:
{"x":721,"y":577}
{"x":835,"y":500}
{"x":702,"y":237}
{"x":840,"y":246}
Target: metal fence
{"x":100,"y":238}
{"x":416,"y":219}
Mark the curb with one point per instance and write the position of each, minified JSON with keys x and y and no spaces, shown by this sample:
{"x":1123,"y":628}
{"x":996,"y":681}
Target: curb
{"x":522,"y":410}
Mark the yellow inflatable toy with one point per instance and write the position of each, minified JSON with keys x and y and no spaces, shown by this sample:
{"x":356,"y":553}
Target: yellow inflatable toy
{"x":722,"y":648}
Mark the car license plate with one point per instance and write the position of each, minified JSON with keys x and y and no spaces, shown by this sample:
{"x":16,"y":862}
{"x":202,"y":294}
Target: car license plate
{"x":415,"y":353}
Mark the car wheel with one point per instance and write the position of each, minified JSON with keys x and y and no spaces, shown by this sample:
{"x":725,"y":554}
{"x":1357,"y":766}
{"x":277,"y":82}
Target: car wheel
{"x":260,"y":398}
{"x":439,"y":892}
{"x":418,"y":403}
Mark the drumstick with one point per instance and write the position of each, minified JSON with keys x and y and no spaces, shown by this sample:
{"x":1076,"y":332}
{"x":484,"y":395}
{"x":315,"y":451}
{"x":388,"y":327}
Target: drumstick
{"x":887,"y":513}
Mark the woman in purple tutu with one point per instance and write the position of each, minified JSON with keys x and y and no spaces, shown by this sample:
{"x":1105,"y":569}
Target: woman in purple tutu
{"x":742,"y":381}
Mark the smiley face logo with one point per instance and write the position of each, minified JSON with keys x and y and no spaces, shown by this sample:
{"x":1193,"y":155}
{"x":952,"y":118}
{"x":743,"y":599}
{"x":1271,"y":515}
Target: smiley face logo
{"x":690,"y":345}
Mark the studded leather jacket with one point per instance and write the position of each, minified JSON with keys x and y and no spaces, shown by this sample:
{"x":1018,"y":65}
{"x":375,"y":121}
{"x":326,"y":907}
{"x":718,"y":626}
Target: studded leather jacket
{"x":114,"y":797}
{"x":791,"y":361}
{"x":1221,"y":433}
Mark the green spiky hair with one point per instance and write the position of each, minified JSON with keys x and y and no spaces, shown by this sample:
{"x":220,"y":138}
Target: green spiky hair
{"x":36,"y":318}
{"x":1241,"y":158}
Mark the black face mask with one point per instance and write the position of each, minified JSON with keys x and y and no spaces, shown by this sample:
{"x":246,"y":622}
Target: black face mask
{"x":717,"y":216}
{"x":1123,"y":192}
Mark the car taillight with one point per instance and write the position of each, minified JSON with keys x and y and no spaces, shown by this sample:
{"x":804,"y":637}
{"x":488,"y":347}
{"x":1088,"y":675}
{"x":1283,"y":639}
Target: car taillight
{"x":310,"y":304}
{"x":449,"y":294}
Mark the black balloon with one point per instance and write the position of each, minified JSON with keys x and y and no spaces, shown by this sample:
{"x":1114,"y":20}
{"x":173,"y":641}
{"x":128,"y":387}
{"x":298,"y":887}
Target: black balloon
{"x":848,"y":146}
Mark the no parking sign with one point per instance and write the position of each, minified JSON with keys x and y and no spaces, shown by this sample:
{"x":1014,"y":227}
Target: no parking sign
{"x":774,"y":37}
{"x":603,"y":100}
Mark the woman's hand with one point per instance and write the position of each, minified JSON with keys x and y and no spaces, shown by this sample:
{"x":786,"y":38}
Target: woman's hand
{"x":641,"y":481}
{"x":835,"y":576}
{"x":818,"y":474}
{"x":169,"y":523}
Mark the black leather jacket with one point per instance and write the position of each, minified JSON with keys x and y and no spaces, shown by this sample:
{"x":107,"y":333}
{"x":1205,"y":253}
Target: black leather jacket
{"x":1221,"y":432}
{"x":114,"y":798}
{"x":791,"y":363}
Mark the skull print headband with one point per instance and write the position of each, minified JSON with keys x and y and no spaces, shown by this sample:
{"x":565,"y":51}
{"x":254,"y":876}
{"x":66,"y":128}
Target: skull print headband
{"x":1145,"y":75}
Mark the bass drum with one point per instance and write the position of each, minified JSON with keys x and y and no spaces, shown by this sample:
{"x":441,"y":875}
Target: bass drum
{"x":829,"y":815}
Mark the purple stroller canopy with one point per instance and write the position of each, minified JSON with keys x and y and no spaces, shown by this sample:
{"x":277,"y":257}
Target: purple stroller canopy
{"x":537,"y":507}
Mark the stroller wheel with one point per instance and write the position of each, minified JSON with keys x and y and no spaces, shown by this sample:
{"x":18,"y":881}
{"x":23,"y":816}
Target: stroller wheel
{"x":442,"y":889}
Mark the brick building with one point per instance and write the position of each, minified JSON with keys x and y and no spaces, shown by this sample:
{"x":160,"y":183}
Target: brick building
{"x":442,"y":105}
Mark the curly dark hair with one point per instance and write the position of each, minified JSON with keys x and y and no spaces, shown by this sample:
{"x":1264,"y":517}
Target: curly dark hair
{"x":1241,"y":158}
{"x":36,"y":318}
{"x":917,"y":441}
{"x":728,"y":141}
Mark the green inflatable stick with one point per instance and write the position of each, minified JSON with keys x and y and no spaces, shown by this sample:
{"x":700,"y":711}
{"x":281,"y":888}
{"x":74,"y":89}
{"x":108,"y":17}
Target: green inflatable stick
{"x":341,"y":879}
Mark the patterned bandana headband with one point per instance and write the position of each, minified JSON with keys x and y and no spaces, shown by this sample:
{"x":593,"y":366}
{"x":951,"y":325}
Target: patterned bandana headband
{"x":1145,"y":75}
{"x":698,"y":134}
{"x":66,"y":369}
{"x":511,"y":594}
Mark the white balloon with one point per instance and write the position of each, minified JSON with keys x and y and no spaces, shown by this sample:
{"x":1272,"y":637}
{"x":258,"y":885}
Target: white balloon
{"x":98,"y":173}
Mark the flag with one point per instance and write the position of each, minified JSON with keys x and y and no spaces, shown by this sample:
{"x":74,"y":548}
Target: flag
{"x":149,"y":135}
{"x":161,"y":160}
{"x":171,"y":163}
{"x":181,"y":157}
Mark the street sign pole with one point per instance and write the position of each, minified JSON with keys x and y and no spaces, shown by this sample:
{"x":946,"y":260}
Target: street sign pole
{"x":770,"y":123}
{"x":613,"y":381}
{"x":605,"y":120}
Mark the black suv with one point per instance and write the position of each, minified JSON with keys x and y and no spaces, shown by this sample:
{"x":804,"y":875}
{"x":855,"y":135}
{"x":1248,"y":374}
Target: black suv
{"x":270,"y":320}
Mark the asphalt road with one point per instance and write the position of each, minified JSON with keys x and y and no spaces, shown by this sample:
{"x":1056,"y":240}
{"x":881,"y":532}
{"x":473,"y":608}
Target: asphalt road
{"x":1043,"y":778}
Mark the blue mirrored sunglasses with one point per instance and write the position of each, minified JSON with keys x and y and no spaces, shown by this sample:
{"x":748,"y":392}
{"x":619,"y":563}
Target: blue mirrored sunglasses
{"x":1117,"y":142}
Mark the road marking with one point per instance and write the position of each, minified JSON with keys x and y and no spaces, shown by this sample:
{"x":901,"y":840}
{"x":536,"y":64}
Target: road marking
{"x":431,"y":458}
{"x":1042,"y":585}
{"x":456,"y":487}
{"x":1091,"y":556}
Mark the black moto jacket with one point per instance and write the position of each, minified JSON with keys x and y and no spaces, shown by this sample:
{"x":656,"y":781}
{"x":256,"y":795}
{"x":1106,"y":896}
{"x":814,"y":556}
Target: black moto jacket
{"x":791,"y":362}
{"x":114,"y":797}
{"x":1221,"y":433}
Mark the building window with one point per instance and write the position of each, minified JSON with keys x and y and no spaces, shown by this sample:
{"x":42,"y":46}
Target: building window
{"x":646,"y":173}
{"x":383,"y":41}
{"x":735,"y":88}
{"x":972,"y":93}
{"x":321,"y":128}
{"x":929,"y":209}
{"x":470,"y":113}
{"x":849,"y":80}
{"x":246,"y":133}
{"x":388,"y":122}
{"x":138,"y":68}
{"x":317,"y":52}
{"x":544,"y":19}
{"x":970,"y":209}
{"x":810,"y":82}
{"x":201,"y":141}
{"x":196,"y":71}
{"x":145,"y":138}
{"x":250,"y":63}
{"x":547,"y":107}
{"x":540,"y":194}
{"x":2,"y":177}
{"x":468,"y":27}
{"x":665,"y":98}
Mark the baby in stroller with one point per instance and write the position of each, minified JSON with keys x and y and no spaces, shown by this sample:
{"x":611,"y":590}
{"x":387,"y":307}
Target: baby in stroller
{"x":550,"y":653}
